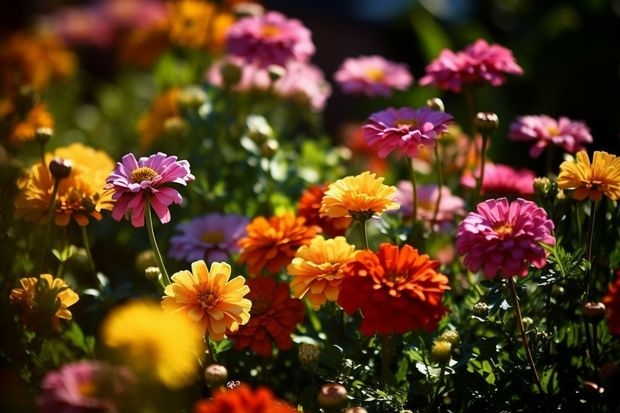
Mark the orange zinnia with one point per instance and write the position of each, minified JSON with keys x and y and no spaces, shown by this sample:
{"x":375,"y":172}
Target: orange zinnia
{"x":243,"y":399}
{"x":152,"y":125}
{"x":309,"y":206}
{"x":591,"y":180}
{"x":209,"y":298}
{"x":360,"y":197}
{"x":271,"y":243}
{"x":317,"y":269}
{"x":24,"y":129}
{"x":199,"y":24}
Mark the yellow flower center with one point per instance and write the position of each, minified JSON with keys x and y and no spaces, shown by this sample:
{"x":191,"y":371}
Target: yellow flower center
{"x":269,"y":30}
{"x":213,"y":237}
{"x":87,"y":389}
{"x":375,"y":74}
{"x":553,"y":130}
{"x":411,"y":123}
{"x":207,"y":299}
{"x":503,"y":229}
{"x":141,"y":174}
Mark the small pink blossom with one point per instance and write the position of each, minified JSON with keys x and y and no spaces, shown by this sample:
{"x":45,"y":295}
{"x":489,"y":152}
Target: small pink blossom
{"x":372,"y":76}
{"x":543,"y":130}
{"x":270,"y":39}
{"x":479,"y":62}
{"x":449,"y":205}
{"x":404,"y":130}
{"x":145,"y":182}
{"x":503,"y":238}
{"x":502,"y":180}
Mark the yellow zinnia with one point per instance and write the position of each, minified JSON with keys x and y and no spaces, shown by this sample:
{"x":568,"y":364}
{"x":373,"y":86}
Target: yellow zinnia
{"x":160,"y":346}
{"x":317,"y":269}
{"x":360,"y":197}
{"x":209,"y":298}
{"x":591,"y":180}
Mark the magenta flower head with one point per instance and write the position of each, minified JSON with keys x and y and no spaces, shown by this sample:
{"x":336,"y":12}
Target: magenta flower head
{"x":213,"y":238}
{"x":145,"y":182}
{"x":86,"y":386}
{"x":478,"y":63}
{"x":404,"y":130}
{"x":503,"y":238}
{"x":450,"y":205}
{"x":543,"y":130}
{"x":502,"y":180}
{"x":372,"y":76}
{"x":270,"y":39}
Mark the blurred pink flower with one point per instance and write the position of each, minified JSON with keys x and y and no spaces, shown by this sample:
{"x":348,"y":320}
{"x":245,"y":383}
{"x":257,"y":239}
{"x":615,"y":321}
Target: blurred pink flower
{"x":404,"y":130}
{"x":502,"y":180}
{"x":270,"y":39}
{"x":449,"y":205}
{"x":479,"y":62}
{"x":544,"y":130}
{"x":372,"y":76}
{"x":146,"y":182}
{"x":503,"y":238}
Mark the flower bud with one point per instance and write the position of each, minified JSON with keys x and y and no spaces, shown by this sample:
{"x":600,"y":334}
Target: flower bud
{"x":248,"y":9}
{"x":175,"y":127}
{"x":356,"y":409}
{"x":216,"y":376}
{"x":192,"y":97}
{"x":60,"y":168}
{"x":145,"y":259}
{"x":441,"y":352}
{"x":486,"y":122}
{"x":481,"y":309}
{"x":332,"y":396}
{"x":275,"y":72}
{"x":231,"y":74}
{"x":259,"y":130}
{"x":451,"y":336}
{"x":152,"y":274}
{"x":436,"y":104}
{"x":43,"y":135}
{"x":594,"y":311}
{"x":269,"y":148}
{"x":309,"y":355}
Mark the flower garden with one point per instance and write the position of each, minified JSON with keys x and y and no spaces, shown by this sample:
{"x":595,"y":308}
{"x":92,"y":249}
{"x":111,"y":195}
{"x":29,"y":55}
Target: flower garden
{"x":186,"y":236}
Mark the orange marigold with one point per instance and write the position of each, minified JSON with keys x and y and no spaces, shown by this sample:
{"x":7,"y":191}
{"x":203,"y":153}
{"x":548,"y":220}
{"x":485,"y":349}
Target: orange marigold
{"x":274,"y":317}
{"x":243,"y":399}
{"x":270,"y":244}
{"x":591,"y":180}
{"x":317,"y":269}
{"x":199,"y":24}
{"x":309,"y":206}
{"x":209,"y":298}
{"x":152,"y":125}
{"x":24,"y":129}
{"x":396,"y":290}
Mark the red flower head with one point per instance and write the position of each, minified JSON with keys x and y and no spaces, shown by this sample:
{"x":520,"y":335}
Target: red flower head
{"x":243,"y":399}
{"x":309,"y":206}
{"x":612,"y":304}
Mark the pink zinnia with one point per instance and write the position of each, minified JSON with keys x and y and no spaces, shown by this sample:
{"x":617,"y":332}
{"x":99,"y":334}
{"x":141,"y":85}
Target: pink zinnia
{"x":270,"y":39}
{"x":449,"y":205}
{"x":145,"y":182}
{"x":544,"y":130}
{"x":479,"y":62}
{"x":503,"y":238}
{"x":404,"y":129}
{"x":212,"y":237}
{"x":502,"y":180}
{"x":372,"y":76}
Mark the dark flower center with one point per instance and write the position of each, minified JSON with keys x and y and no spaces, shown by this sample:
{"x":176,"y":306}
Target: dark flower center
{"x":207,"y":299}
{"x":212,"y":237}
{"x":141,"y":174}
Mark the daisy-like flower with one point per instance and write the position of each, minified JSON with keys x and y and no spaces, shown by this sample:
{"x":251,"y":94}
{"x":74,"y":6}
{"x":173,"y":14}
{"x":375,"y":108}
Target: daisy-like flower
{"x":366,"y":158}
{"x":142,"y":183}
{"x":309,"y":206}
{"x":43,"y":300}
{"x":612,"y":306}
{"x":397,"y":290}
{"x":270,"y":244}
{"x":360,"y":197}
{"x":404,"y":129}
{"x":209,"y":298}
{"x":80,"y":196}
{"x":502,"y":180}
{"x":270,"y":39}
{"x":316,"y":270}
{"x":273,"y":318}
{"x":479,"y":63}
{"x":372,"y":76}
{"x":198,"y":24}
{"x":591,"y":180}
{"x":243,"y":399}
{"x":304,"y":83}
{"x":212,"y":237}
{"x":153,"y":344}
{"x":503,"y":238}
{"x":544,"y":130}
{"x":152,"y":125}
{"x":86,"y":386}
{"x":450,"y":205}
{"x":24,"y":129}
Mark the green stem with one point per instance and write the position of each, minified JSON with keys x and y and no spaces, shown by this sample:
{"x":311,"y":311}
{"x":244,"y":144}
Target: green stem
{"x":432,"y":408}
{"x":414,"y":190}
{"x":363,"y":235}
{"x":483,"y":157}
{"x":89,"y":254}
{"x":153,"y":241}
{"x":439,"y":186}
{"x":387,"y":351}
{"x":48,"y":228}
{"x":589,"y":241}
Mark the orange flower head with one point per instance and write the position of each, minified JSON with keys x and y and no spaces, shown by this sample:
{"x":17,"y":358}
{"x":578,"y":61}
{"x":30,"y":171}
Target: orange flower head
{"x":79,"y":196}
{"x":243,"y":399}
{"x":199,"y":24}
{"x":309,"y":206}
{"x":317,"y":269}
{"x":591,"y":180}
{"x":152,"y":125}
{"x":397,"y":290}
{"x":360,"y":197}
{"x":209,"y":298}
{"x":43,"y":299}
{"x":25,"y":129}
{"x":270,"y":244}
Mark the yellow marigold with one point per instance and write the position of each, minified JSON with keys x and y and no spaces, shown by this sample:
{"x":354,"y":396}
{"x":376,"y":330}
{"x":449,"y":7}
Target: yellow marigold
{"x":199,"y":24}
{"x":209,"y":298}
{"x":591,"y":180}
{"x":360,"y":197}
{"x":157,"y":345}
{"x":43,"y":299}
{"x":317,"y":269}
{"x":152,"y":125}
{"x":79,"y":196}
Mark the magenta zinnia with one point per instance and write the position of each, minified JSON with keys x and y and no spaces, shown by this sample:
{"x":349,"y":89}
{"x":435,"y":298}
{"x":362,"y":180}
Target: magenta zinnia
{"x":503,"y":238}
{"x":372,"y":76}
{"x":404,"y":130}
{"x":146,"y":182}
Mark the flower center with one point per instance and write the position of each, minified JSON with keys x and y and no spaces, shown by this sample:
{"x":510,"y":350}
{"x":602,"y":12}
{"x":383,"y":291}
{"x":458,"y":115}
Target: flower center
{"x":553,"y":130}
{"x":260,"y":305}
{"x":87,"y":389}
{"x":406,"y":123}
{"x":141,"y":174}
{"x":213,"y":237}
{"x":502,"y":229}
{"x":207,"y":299}
{"x":375,"y":74}
{"x":270,"y":30}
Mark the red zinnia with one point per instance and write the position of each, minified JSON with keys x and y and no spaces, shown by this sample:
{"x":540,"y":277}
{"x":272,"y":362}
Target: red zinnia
{"x":309,"y":206}
{"x":612,"y":304}
{"x":243,"y":399}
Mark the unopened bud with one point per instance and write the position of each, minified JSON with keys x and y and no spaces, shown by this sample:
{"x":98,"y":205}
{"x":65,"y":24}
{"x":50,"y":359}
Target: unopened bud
{"x":436,"y":104}
{"x":231,"y":74}
{"x":192,"y":97}
{"x":309,"y":355}
{"x":332,"y":396}
{"x":486,"y":122}
{"x":259,"y":130}
{"x":216,"y":376}
{"x":175,"y":127}
{"x":152,"y":274}
{"x":441,"y":352}
{"x":451,"y":336}
{"x":145,"y":259}
{"x":276,"y":72}
{"x":594,"y":311}
{"x":248,"y":9}
{"x":481,"y":309}
{"x":60,"y":168}
{"x":269,"y":148}
{"x":43,"y":135}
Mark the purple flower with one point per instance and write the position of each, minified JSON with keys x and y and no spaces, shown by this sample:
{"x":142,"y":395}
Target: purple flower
{"x":480,"y":62}
{"x":138,"y":184}
{"x":503,"y":238}
{"x":212,"y":238}
{"x":404,"y":129}
{"x":270,"y":39}
{"x":85,"y":386}
{"x":449,"y":205}
{"x":372,"y":76}
{"x":544,"y":130}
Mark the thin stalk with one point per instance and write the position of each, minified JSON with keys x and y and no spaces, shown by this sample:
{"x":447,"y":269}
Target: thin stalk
{"x":153,"y":241}
{"x":414,"y":190}
{"x":483,"y":157}
{"x":589,"y":241}
{"x":48,"y":228}
{"x":387,"y":351}
{"x":89,"y":254}
{"x":432,"y":407}
{"x":363,"y":234}
{"x":439,"y":185}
